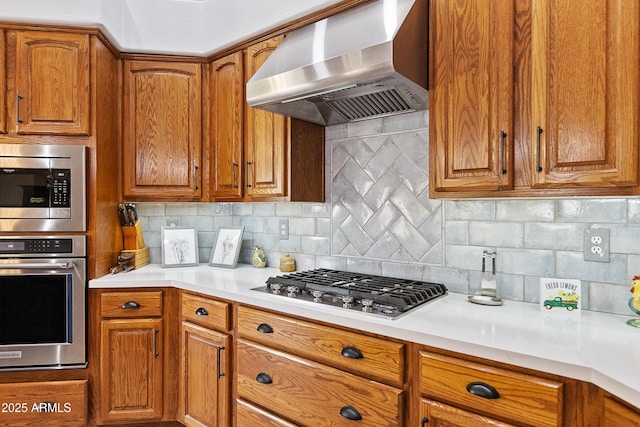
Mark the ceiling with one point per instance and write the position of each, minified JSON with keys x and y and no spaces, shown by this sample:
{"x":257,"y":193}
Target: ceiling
{"x":189,"y":27}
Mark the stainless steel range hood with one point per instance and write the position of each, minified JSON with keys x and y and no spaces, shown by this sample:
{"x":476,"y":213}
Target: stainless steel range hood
{"x":366,"y":62}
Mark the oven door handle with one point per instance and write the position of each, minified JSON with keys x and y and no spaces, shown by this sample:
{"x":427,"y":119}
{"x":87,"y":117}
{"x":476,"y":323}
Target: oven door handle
{"x":64,"y":265}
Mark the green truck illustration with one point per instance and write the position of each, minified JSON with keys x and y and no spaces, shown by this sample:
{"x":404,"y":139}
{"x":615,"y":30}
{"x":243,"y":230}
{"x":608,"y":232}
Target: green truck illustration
{"x":559,"y":302}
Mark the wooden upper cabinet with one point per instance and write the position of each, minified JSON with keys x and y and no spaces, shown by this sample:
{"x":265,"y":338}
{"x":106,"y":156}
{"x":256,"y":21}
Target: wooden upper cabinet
{"x":533,"y":98}
{"x":266,"y":136}
{"x":471,"y":94}
{"x":51,"y":83}
{"x":3,"y":84}
{"x":585,"y":86}
{"x":226,"y":106}
{"x":162,"y":130}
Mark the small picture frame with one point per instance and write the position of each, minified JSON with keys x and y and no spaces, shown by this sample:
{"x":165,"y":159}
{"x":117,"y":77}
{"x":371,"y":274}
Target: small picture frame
{"x":227,"y":248}
{"x":179,"y":247}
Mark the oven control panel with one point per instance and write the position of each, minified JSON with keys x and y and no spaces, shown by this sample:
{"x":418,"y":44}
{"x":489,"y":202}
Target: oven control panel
{"x":42,"y":245}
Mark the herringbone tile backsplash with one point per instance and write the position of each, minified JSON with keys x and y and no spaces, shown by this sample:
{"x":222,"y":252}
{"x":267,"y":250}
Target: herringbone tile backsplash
{"x":380,"y":206}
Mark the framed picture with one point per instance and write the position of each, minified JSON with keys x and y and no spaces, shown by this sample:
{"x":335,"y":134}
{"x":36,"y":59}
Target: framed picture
{"x":179,"y":247}
{"x":227,"y":248}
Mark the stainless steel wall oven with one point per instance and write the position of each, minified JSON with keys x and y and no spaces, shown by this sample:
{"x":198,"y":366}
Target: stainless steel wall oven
{"x":42,"y":302}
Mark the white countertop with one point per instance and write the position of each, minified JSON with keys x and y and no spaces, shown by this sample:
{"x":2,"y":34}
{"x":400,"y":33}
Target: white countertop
{"x":596,"y":347}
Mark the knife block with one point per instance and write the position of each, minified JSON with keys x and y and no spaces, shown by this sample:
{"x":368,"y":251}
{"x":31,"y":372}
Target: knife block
{"x":132,"y":237}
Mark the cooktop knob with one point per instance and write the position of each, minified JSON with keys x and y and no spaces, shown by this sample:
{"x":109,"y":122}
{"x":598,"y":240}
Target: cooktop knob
{"x":367,"y":305}
{"x":275,"y":288}
{"x":317,"y":296}
{"x":347,"y":301}
{"x":292,"y":291}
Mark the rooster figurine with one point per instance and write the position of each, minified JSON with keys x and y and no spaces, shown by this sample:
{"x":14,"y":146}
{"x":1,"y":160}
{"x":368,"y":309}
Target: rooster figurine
{"x":634,"y":301}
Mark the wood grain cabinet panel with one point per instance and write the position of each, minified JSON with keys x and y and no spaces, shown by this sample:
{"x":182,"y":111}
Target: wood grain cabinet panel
{"x":226,"y":106}
{"x":40,"y":403}
{"x":131,"y":370}
{"x":372,"y":357}
{"x":585,"y":85}
{"x":162,"y":147}
{"x":534,"y":98}
{"x":305,"y":391}
{"x":207,"y":312}
{"x":471,"y":95}
{"x":266,"y":136}
{"x":248,"y":415}
{"x":206,"y":377}
{"x":3,"y":84}
{"x":497,"y":392}
{"x":52,"y":83}
{"x":436,"y":414}
{"x":617,"y":414}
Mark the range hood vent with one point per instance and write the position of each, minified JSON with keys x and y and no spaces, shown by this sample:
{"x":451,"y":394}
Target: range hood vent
{"x":367,"y":62}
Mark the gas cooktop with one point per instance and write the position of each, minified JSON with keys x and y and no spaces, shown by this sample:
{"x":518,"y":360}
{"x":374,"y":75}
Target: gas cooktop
{"x":384,"y":296}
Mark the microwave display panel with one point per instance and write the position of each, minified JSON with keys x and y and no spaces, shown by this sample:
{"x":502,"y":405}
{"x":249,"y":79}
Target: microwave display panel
{"x":34,"y":188}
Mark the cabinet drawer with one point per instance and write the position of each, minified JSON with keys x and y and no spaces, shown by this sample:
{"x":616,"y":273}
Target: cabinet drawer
{"x":375,"y":358}
{"x":206,"y":312}
{"x":305,"y":392}
{"x":522,"y":398}
{"x":131,"y":304}
{"x":59,"y":403}
{"x":248,"y":415}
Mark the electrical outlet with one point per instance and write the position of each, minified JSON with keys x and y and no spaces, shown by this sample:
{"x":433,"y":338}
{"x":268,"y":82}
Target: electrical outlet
{"x":173,"y":222}
{"x":284,"y":229}
{"x":596,"y":244}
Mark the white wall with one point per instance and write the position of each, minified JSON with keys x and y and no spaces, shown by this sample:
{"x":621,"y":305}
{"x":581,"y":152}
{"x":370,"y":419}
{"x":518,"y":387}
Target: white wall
{"x":197,"y":27}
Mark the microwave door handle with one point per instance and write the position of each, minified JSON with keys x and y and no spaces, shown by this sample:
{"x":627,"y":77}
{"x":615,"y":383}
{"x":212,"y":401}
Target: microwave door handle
{"x":64,"y":265}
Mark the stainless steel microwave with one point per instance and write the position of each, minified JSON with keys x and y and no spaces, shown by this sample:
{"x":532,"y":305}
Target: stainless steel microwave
{"x":42,"y":187}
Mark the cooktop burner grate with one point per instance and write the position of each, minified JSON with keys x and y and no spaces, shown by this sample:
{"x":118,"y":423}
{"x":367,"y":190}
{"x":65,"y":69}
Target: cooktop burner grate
{"x":386,"y":296}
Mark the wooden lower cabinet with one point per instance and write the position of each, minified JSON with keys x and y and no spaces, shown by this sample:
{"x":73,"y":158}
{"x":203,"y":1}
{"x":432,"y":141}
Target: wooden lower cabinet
{"x":248,"y":415}
{"x":206,"y":377}
{"x":482,"y":392}
{"x":305,"y":391}
{"x":134,"y":362}
{"x":290,"y":371}
{"x":436,"y":414}
{"x":59,"y":403}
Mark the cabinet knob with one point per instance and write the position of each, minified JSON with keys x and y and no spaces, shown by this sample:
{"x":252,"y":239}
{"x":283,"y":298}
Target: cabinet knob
{"x":264,"y":328}
{"x":202,"y":312}
{"x":352,"y":353}
{"x":130,"y":304}
{"x":350,"y":413}
{"x":263,"y":378}
{"x":483,"y":390}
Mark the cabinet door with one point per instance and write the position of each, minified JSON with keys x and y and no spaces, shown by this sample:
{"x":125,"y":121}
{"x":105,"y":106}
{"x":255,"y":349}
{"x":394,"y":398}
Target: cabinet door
{"x":162,"y":130}
{"x":471,"y":95}
{"x":3,"y":86}
{"x":266,"y":137}
{"x":52,"y":83}
{"x":585,"y":85}
{"x":206,"y":377}
{"x":227,"y":112}
{"x":436,"y":414}
{"x":617,"y":414}
{"x":131,"y":370}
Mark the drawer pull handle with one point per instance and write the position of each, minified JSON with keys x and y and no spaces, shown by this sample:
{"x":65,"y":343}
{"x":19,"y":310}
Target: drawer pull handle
{"x":202,"y":312}
{"x":350,"y":413}
{"x":263,"y":378}
{"x":424,"y":422}
{"x":264,"y":328}
{"x":130,"y":304}
{"x":220,"y":373}
{"x":352,"y":352}
{"x":482,"y":390}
